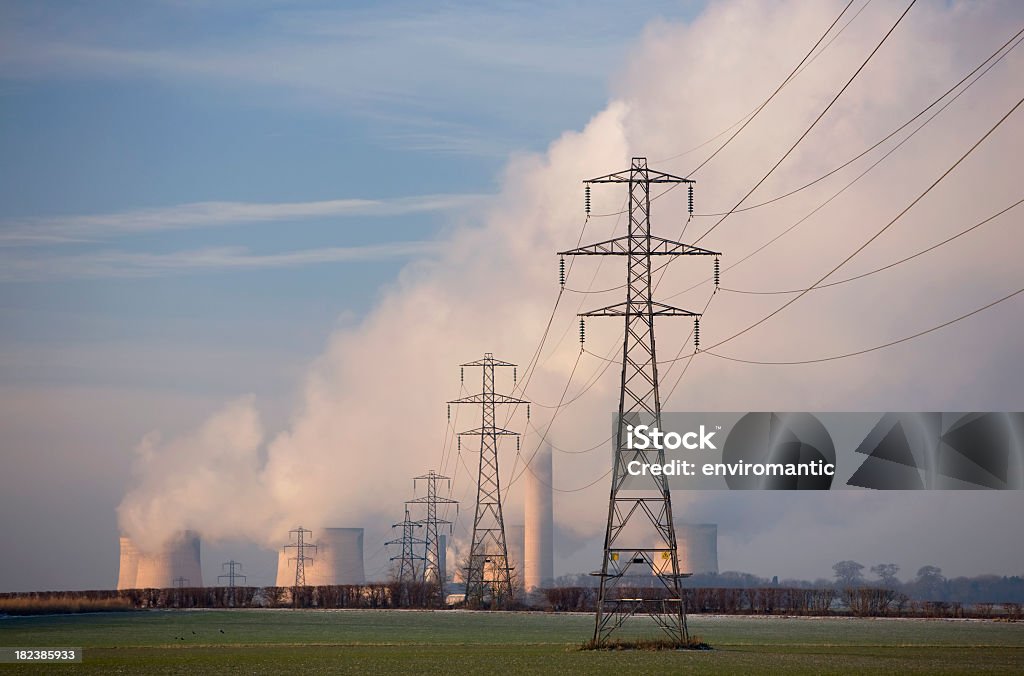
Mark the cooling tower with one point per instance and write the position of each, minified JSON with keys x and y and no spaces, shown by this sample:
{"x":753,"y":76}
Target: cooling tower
{"x":538,"y":554}
{"x":178,"y":558}
{"x":338,"y":559}
{"x":128,"y":569}
{"x":698,"y":547}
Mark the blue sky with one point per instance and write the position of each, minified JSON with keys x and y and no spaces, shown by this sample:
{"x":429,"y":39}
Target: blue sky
{"x":113,"y":109}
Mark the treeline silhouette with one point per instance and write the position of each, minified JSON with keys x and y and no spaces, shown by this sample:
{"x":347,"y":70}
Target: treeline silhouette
{"x":772,"y":599}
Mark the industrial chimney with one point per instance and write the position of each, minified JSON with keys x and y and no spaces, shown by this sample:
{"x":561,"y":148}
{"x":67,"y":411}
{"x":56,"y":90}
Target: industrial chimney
{"x":338,"y":559}
{"x":538,"y":555}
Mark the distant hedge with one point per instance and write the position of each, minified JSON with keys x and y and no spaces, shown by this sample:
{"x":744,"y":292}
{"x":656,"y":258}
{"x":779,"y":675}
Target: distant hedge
{"x":859,"y":602}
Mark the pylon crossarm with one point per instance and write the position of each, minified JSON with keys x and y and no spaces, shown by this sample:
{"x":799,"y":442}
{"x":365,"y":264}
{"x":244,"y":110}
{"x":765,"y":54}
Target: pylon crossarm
{"x":635,"y":308}
{"x":494,"y":398}
{"x":651,"y":176}
{"x":646,"y":245}
{"x":487,"y":431}
{"x":488,"y":361}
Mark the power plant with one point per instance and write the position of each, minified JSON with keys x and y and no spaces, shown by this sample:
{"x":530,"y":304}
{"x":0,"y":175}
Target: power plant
{"x":177,"y":559}
{"x":538,"y":570}
{"x":698,"y":547}
{"x":338,"y":559}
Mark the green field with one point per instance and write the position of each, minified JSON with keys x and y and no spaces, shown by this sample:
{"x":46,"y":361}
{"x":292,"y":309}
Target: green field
{"x":390,"y":641}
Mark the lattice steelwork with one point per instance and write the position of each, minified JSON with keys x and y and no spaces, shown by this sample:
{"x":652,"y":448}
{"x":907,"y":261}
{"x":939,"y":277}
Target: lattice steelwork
{"x":640,"y":534}
{"x":234,"y":573}
{"x":300,"y":558}
{"x":432,"y":572}
{"x":407,"y":572}
{"x":488,"y":575}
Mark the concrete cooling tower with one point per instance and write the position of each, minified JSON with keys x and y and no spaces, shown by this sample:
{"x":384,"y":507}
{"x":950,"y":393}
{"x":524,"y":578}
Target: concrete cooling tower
{"x":698,"y":547}
{"x":338,"y":559}
{"x":538,"y":554}
{"x":128,"y":569}
{"x":178,"y":558}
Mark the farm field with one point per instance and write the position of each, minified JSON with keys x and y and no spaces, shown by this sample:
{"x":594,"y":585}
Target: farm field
{"x":392,"y":641}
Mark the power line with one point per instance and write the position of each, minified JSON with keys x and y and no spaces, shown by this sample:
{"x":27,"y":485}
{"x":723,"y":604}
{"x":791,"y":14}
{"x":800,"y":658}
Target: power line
{"x":845,"y":187}
{"x":870,"y":349}
{"x":877,"y":234}
{"x":777,"y":90}
{"x":561,"y":403}
{"x":550,"y":422}
{"x":746,"y":119}
{"x":568,"y":490}
{"x":884,"y":267}
{"x":813,"y":124}
{"x":896,"y":130}
{"x":756,"y":109}
{"x":1016,"y":40}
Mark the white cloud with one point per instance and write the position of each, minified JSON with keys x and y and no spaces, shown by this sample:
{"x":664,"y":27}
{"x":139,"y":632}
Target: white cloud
{"x":75,"y":228}
{"x":122,"y":264}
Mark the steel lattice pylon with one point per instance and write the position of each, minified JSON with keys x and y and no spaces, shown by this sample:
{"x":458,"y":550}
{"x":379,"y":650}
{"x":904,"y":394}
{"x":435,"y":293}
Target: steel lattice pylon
{"x":432,"y":572}
{"x":488,"y":575}
{"x":300,"y":559}
{"x":640,"y":532}
{"x":234,"y":573}
{"x":407,"y":572}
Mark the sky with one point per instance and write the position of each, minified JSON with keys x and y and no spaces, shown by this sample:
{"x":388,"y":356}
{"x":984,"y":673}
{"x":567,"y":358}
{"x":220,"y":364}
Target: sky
{"x":244,"y":247}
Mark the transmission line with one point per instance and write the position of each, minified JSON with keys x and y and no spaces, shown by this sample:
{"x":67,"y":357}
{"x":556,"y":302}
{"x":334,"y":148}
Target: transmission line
{"x":884,"y":267}
{"x":898,"y":129}
{"x":777,"y":90}
{"x":1016,"y":40}
{"x":860,"y":248}
{"x":871,"y":349}
{"x":746,"y":119}
{"x":813,"y":124}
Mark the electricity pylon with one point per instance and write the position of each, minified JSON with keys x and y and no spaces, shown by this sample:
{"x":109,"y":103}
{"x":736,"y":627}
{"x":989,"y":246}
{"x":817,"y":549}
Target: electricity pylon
{"x":234,"y":573}
{"x":488,"y":575}
{"x":640,"y":533}
{"x":408,"y":541}
{"x":432,"y":569}
{"x":300,"y":559}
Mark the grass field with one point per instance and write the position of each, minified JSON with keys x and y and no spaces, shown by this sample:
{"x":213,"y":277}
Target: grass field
{"x":389,"y":641}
